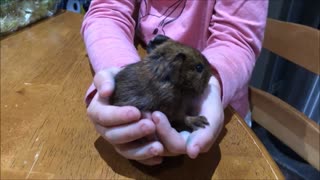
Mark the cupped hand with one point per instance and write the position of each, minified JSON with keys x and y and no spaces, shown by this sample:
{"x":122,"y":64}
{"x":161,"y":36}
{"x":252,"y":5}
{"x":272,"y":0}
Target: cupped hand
{"x":198,"y":141}
{"x":123,"y":127}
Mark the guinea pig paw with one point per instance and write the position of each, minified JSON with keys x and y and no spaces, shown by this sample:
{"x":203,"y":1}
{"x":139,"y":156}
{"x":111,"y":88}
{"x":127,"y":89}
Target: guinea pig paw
{"x":196,"y":122}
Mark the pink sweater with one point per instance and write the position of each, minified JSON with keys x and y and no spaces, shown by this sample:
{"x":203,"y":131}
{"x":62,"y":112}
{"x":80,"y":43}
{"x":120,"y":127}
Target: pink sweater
{"x":228,"y":32}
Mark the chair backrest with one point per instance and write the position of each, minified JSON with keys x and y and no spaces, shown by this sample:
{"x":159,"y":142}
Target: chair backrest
{"x":300,"y":45}
{"x":294,"y":42}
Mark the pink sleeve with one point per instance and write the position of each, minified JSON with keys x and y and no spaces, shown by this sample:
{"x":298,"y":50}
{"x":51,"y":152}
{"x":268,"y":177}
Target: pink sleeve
{"x":236,"y":34}
{"x":108,"y":33}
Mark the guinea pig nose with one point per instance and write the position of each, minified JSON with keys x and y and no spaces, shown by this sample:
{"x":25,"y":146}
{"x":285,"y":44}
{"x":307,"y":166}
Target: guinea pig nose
{"x":199,"y":68}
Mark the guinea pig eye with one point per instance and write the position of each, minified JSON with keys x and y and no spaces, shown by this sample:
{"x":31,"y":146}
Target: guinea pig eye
{"x":199,"y":68}
{"x":167,"y":78}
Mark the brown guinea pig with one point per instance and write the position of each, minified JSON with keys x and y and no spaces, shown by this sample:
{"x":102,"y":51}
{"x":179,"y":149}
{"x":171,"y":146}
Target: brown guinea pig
{"x":167,"y":80}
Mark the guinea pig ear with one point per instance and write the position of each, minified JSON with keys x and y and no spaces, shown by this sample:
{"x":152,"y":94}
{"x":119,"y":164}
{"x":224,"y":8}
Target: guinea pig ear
{"x":159,"y":39}
{"x":180,"y":57}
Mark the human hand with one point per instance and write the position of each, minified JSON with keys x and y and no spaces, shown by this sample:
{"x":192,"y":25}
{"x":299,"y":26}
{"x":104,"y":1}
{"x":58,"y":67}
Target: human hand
{"x":200,"y":140}
{"x":122,"y":127}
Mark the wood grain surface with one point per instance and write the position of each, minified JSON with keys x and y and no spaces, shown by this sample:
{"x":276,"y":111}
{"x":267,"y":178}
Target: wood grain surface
{"x":286,"y":123}
{"x":297,"y":43}
{"x":45,"y":133}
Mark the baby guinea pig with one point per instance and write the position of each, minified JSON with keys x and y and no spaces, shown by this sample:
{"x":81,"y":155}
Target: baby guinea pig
{"x":168,"y":79}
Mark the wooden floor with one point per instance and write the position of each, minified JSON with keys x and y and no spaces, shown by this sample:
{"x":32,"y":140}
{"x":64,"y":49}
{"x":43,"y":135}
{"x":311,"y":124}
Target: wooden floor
{"x":46,"y":134}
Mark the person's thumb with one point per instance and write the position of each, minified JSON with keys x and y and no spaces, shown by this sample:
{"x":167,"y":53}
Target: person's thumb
{"x":104,"y":81}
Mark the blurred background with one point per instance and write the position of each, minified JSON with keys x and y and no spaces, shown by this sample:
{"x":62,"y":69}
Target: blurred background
{"x":296,"y":86}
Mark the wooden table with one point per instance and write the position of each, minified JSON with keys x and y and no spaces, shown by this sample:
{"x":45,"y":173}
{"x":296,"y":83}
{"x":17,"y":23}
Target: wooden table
{"x":46,"y":134}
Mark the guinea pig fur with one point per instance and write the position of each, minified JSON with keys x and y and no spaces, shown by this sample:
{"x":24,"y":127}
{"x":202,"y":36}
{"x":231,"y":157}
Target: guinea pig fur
{"x":168,"y":79}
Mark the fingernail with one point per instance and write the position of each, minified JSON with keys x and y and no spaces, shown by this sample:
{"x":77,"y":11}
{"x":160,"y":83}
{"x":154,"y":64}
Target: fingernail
{"x":144,"y":128}
{"x":130,"y":114}
{"x":156,"y":119}
{"x":153,"y":151}
{"x":196,"y":150}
